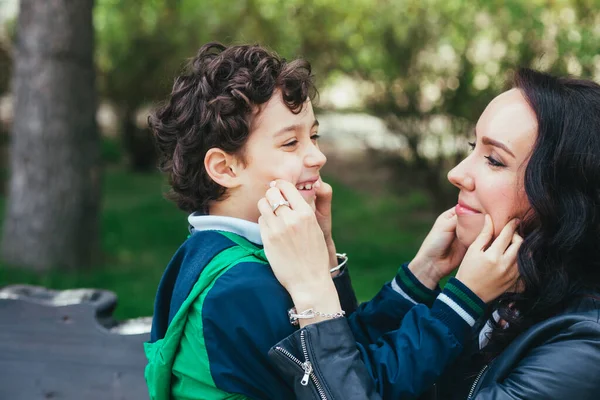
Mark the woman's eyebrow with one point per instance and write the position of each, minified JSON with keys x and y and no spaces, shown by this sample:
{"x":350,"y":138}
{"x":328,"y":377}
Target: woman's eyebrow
{"x":491,"y":142}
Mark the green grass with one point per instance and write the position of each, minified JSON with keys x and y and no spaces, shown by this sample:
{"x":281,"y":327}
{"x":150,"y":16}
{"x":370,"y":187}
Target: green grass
{"x":141,"y":231}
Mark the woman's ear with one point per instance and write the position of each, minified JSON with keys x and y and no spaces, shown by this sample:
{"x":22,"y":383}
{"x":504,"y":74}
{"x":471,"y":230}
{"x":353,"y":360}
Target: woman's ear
{"x":222,"y":168}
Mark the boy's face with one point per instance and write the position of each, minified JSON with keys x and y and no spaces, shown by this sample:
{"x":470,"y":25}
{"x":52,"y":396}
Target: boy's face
{"x":281,"y":145}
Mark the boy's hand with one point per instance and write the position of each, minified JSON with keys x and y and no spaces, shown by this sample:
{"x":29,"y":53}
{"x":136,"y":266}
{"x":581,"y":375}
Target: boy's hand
{"x":324,"y":195}
{"x":440,"y":253}
{"x":491,"y":269}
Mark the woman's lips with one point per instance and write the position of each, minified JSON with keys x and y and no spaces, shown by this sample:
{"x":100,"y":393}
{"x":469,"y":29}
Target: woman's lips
{"x":462,"y":209}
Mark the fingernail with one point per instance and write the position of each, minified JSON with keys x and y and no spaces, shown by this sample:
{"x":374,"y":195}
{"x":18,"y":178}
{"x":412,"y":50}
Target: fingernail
{"x":273,"y":184}
{"x":317,"y":184}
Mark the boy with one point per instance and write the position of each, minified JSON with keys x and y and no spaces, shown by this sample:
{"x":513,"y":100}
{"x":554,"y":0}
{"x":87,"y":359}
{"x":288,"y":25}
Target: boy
{"x":239,"y":118}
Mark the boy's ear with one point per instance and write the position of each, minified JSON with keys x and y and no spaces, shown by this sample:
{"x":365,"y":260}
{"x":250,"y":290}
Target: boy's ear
{"x":222,"y":167}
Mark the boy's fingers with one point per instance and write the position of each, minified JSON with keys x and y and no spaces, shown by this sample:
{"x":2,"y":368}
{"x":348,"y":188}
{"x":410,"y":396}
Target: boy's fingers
{"x":447,"y":220}
{"x":512,"y":251}
{"x":504,"y":238}
{"x":449,"y":214}
{"x":484,"y":237}
{"x":291,"y":194}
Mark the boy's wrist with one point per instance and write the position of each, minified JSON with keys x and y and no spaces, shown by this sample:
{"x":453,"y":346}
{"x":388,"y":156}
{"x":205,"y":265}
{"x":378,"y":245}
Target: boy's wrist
{"x":424,"y":270}
{"x":407,"y":284}
{"x":459,"y":308}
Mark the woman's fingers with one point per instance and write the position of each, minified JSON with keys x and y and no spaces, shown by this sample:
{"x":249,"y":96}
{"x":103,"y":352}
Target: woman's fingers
{"x":275,"y":197}
{"x":266,"y":213}
{"x":291,"y":194}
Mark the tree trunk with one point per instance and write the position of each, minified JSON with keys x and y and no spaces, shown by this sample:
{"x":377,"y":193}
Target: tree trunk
{"x":54,"y":191}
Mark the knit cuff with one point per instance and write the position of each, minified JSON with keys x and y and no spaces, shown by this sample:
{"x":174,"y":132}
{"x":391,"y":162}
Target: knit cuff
{"x":407,"y":284}
{"x":458,"y":307}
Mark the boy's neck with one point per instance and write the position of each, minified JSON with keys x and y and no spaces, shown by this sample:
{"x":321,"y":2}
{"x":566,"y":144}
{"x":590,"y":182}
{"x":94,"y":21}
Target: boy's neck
{"x":226,"y":208}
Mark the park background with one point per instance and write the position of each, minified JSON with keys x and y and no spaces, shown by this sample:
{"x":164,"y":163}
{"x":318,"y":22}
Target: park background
{"x":401,"y":83}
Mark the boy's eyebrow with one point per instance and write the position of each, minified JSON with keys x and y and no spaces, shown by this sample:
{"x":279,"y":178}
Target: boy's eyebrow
{"x":294,"y":128}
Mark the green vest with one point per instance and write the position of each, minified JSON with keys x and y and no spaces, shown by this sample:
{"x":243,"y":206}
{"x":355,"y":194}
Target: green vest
{"x":175,"y":354}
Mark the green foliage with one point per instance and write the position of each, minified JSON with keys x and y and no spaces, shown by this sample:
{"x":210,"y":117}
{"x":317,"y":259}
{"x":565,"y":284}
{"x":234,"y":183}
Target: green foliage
{"x":111,"y":151}
{"x":141,"y":231}
{"x":416,"y":60}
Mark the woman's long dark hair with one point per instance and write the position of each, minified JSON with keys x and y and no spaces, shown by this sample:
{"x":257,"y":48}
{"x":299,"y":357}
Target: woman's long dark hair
{"x":560,"y":256}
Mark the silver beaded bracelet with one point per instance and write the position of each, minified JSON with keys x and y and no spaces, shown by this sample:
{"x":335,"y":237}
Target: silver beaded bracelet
{"x":310,"y":313}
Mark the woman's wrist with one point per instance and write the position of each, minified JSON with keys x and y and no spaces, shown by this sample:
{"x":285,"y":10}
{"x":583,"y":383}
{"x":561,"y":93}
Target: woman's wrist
{"x":321,"y":297}
{"x":425,"y":271}
{"x":331,"y":250}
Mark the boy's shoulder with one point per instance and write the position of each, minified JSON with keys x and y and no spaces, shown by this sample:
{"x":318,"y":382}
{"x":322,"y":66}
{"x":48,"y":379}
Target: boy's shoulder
{"x":252,"y":274}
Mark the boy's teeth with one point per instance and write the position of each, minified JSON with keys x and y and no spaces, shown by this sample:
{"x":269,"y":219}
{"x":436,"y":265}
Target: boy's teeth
{"x":306,"y":186}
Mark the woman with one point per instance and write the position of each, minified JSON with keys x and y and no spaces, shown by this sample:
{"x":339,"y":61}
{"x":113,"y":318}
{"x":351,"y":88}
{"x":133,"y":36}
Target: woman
{"x":536,"y":156}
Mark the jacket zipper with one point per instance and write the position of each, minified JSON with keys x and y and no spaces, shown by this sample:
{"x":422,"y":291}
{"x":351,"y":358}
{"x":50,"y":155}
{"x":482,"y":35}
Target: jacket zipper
{"x":306,"y":366}
{"x":476,"y":382}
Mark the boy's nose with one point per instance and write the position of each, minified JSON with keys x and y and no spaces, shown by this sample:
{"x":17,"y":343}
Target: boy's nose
{"x":315,"y":157}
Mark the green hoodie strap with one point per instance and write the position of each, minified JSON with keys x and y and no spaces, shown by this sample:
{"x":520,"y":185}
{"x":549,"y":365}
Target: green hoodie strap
{"x":256,"y":251}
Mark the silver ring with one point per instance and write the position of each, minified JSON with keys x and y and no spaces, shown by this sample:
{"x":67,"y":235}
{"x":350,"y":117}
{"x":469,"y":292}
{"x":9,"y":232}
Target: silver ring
{"x":275,"y":206}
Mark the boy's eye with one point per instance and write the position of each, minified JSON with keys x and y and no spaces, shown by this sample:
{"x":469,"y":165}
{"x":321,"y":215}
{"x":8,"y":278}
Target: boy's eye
{"x":316,"y":136}
{"x":291,"y":143}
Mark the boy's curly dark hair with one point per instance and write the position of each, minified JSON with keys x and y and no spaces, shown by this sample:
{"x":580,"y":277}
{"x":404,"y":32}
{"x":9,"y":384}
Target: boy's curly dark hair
{"x":211,"y":106}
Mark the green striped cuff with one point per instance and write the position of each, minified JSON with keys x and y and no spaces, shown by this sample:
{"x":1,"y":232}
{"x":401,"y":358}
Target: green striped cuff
{"x":406,"y":284}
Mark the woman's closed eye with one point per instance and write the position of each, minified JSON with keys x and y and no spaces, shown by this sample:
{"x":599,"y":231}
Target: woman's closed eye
{"x":315,"y":137}
{"x":490,"y":159}
{"x":493,"y":162}
{"x":291,"y":143}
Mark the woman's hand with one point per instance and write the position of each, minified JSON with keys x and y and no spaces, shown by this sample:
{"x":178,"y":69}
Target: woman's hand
{"x":491,"y":269}
{"x":324,"y":194}
{"x":440,"y":253}
{"x":295,"y":247}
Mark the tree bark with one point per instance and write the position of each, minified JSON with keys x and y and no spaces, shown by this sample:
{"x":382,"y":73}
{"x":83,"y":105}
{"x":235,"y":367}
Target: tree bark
{"x":54,"y":191}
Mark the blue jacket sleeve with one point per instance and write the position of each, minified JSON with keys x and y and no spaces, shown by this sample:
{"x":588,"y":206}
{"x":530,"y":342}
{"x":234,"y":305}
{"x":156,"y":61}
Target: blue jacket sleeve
{"x":386,"y":310}
{"x":243,"y":315}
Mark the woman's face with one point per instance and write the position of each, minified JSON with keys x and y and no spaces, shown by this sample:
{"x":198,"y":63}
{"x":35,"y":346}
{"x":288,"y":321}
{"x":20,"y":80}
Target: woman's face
{"x":491,"y":178}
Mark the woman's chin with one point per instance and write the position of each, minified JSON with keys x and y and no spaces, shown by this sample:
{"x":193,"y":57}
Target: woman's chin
{"x":468,"y":228}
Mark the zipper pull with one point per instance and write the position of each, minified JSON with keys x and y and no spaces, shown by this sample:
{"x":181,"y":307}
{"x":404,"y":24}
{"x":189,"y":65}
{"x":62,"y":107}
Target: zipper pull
{"x":307,"y":367}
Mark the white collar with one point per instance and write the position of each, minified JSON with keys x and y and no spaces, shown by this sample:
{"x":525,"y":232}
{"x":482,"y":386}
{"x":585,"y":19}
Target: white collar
{"x":242,"y":227}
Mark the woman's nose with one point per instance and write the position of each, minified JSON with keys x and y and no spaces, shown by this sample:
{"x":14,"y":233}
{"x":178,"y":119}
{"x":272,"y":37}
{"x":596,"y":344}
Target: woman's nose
{"x":459,"y":177}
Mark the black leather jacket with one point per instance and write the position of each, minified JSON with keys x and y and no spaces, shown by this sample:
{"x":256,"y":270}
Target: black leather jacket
{"x":558,"y":358}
